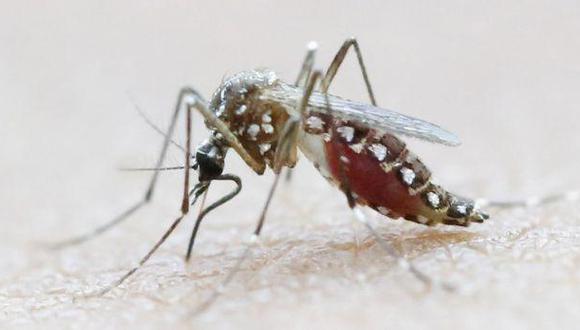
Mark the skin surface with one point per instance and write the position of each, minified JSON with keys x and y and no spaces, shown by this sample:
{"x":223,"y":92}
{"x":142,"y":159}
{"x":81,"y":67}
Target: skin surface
{"x":504,"y":77}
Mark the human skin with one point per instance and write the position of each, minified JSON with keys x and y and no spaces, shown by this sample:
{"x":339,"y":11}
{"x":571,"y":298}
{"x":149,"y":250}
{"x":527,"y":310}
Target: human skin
{"x":504,"y":78}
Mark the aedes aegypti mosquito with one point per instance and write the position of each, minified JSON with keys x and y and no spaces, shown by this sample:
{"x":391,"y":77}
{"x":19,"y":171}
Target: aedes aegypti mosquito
{"x":355,"y":146}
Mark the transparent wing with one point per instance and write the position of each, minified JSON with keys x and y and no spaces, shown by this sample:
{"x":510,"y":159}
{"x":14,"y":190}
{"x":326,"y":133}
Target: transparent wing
{"x":384,"y":119}
{"x":375,"y":117}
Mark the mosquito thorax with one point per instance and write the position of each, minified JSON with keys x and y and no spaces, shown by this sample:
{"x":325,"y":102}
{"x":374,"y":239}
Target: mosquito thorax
{"x":254,"y":120}
{"x":240,"y":89}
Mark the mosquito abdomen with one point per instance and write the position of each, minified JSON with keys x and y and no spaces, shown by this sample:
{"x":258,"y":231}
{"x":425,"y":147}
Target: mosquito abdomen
{"x":380,"y":172}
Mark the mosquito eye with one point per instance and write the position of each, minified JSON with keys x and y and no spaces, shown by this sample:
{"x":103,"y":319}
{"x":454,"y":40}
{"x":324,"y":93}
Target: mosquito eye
{"x":210,"y":161}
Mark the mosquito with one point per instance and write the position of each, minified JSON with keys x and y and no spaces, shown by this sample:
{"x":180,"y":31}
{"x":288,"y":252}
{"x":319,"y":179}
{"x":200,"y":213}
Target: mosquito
{"x":356,"y":146}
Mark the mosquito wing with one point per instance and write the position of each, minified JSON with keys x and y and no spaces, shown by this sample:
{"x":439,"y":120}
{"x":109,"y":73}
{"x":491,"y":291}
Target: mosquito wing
{"x":383,"y":119}
{"x":366,"y":114}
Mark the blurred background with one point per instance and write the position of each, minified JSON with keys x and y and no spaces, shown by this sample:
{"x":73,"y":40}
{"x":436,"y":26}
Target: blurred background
{"x":504,"y":76}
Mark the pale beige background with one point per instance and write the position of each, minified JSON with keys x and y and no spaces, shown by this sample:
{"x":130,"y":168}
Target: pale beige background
{"x":503,"y":75}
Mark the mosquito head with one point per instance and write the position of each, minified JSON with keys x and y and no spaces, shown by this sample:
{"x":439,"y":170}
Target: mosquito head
{"x":209,"y":157}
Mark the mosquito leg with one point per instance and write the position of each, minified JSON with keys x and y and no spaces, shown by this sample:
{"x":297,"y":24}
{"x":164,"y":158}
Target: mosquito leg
{"x":215,"y":123}
{"x":393,"y":253}
{"x":569,"y":196}
{"x":245,"y":255}
{"x":183,"y":95}
{"x":307,"y":64}
{"x":204,"y":212}
{"x":345,"y":185}
{"x":384,"y":244}
{"x":285,"y":155}
{"x":198,"y":191}
{"x":286,"y":151}
{"x":199,"y":188}
{"x":337,"y":61}
{"x":329,"y":76}
{"x":303,"y":78}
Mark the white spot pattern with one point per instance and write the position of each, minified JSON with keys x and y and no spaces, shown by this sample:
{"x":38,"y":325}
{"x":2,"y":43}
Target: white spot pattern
{"x":357,"y":147}
{"x":253,"y":131}
{"x":221,"y":110}
{"x":346,"y":132}
{"x":408,"y":175}
{"x":462,"y":209}
{"x":267,"y":128}
{"x":379,"y":151}
{"x":241,"y":109}
{"x":433,"y":199}
{"x":383,"y":210}
{"x":264,"y":147}
{"x":266,"y":118}
{"x":422,"y":219}
{"x":314,"y":122}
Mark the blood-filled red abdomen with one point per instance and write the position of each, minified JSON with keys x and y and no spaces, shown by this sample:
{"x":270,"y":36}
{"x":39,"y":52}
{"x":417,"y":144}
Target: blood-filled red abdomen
{"x":372,"y":182}
{"x":380,"y":172}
